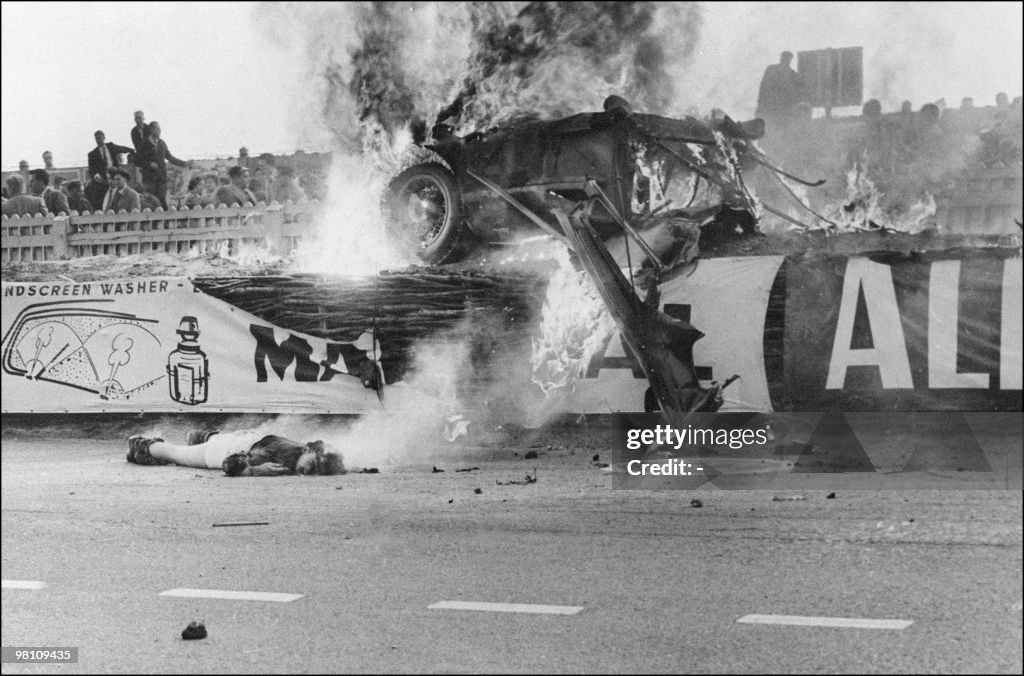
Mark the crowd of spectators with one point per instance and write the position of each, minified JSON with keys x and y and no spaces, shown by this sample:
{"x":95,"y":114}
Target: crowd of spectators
{"x":146,"y":175}
{"x":907,"y":154}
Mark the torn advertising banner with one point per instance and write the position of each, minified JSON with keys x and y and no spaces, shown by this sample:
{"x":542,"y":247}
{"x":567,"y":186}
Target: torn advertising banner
{"x":935,"y":331}
{"x":872,"y":332}
{"x":156,"y":344}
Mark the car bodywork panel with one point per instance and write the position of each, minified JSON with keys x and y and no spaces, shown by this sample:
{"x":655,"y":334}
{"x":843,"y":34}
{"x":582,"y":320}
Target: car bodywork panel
{"x":629,"y":155}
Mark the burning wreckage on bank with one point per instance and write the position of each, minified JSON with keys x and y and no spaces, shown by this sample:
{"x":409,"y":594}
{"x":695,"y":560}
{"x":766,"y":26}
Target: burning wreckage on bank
{"x":619,"y":189}
{"x":637,"y":198}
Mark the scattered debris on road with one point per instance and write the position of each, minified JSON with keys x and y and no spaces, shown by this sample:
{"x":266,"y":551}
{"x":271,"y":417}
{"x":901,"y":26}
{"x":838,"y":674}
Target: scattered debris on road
{"x":830,"y":496}
{"x":467,"y":469}
{"x":696,"y":503}
{"x":787,"y":498}
{"x":527,"y":480}
{"x":530,"y":455}
{"x":478,"y":491}
{"x":194,"y":631}
{"x":436,"y":470}
{"x":597,"y":456}
{"x":368,"y":470}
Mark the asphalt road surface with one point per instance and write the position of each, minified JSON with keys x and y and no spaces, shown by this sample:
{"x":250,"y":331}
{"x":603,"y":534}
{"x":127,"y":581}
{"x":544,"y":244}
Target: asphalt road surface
{"x":617,"y":581}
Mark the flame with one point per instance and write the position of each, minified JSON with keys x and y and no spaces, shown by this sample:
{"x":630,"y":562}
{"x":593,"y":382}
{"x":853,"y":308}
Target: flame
{"x":862,"y":211}
{"x":552,"y":59}
{"x":574,"y":325}
{"x":350,"y":236}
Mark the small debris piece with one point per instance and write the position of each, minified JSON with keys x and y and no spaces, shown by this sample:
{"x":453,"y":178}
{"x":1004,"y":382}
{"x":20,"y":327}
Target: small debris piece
{"x":597,"y":456}
{"x":194,"y":631}
{"x":526,"y":481}
{"x":337,"y":488}
{"x":368,"y":470}
{"x":696,"y":503}
{"x":467,"y":469}
{"x":436,"y":470}
{"x":478,"y":491}
{"x":242,"y":523}
{"x":601,"y":465}
{"x":830,"y":496}
{"x":531,"y":455}
{"x":788,"y":498}
{"x":451,"y":501}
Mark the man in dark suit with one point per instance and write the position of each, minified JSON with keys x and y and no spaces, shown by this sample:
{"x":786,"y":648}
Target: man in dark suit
{"x":105,"y":155}
{"x":55,"y":201}
{"x":152,"y":157}
{"x":139,"y":130}
{"x":76,"y":198}
{"x":95,"y":190}
{"x":121,"y":196}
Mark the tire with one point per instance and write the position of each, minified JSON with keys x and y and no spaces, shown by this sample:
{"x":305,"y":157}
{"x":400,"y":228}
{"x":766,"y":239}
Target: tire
{"x":424,"y":214}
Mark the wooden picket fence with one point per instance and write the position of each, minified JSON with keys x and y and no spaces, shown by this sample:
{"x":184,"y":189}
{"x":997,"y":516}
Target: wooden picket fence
{"x":36,"y":238}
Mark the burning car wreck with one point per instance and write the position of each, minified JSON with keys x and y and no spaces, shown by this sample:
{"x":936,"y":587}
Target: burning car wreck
{"x":648,"y":171}
{"x":596,"y":182}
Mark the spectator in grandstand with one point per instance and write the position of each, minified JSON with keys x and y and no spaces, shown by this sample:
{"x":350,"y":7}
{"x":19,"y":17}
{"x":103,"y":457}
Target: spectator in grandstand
{"x":284,"y":187}
{"x":210,"y":184}
{"x":266,"y":161}
{"x":105,"y":155}
{"x":139,"y":131}
{"x":237,"y":192}
{"x":152,"y":157}
{"x":120,"y":197}
{"x":48,"y":160}
{"x":243,"y":157}
{"x":147,"y":200}
{"x":77,"y":200}
{"x":39,"y":184}
{"x":241,"y":453}
{"x":96,"y":190}
{"x":196,"y":195}
{"x":258,"y":185}
{"x":58,"y":184}
{"x":18,"y":203}
{"x":782,"y":89}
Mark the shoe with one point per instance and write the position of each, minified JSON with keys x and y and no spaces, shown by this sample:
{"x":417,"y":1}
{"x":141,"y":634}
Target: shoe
{"x":138,"y":451}
{"x":196,"y":437}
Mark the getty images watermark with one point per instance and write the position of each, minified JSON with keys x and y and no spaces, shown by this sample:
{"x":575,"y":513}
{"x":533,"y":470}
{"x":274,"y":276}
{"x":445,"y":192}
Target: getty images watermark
{"x":858,"y":450}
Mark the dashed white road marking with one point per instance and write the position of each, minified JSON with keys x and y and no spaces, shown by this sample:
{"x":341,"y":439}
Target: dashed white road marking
{"x":814,"y":621}
{"x":506,"y":607}
{"x":22,"y":584}
{"x":232,"y":595}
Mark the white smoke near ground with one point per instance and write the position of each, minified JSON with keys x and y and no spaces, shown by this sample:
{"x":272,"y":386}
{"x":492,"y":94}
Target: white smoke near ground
{"x":350,"y":238}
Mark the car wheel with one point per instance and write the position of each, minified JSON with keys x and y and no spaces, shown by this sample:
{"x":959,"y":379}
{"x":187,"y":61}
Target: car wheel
{"x":424,"y":213}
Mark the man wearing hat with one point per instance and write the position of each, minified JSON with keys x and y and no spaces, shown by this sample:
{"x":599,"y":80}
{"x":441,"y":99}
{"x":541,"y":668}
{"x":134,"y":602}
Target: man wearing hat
{"x":782,"y":91}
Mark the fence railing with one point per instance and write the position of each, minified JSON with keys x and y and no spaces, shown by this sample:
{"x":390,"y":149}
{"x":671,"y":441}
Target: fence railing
{"x":35,"y":238}
{"x":987,"y":201}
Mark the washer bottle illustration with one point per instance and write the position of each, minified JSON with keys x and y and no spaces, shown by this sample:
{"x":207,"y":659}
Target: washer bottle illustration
{"x":188,"y":370}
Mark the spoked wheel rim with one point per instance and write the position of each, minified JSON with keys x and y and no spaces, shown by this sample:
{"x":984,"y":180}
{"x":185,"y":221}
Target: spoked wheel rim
{"x":425,"y":204}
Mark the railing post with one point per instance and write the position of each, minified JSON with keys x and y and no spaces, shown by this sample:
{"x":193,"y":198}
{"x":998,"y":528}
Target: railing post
{"x":61,"y":225}
{"x":273,"y":224}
